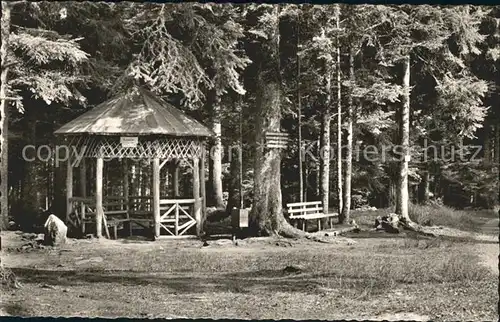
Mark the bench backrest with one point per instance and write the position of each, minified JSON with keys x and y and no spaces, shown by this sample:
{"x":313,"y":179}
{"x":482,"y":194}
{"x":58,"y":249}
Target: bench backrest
{"x":304,"y":208}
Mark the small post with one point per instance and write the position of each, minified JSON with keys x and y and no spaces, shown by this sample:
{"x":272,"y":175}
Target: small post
{"x":69,"y":189}
{"x":98,"y":196}
{"x":176,"y":223}
{"x":196,"y":195}
{"x":156,"y":196}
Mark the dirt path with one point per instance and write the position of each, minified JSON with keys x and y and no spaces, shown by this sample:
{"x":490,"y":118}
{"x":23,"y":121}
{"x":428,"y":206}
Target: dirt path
{"x":490,"y":252}
{"x":491,"y":227}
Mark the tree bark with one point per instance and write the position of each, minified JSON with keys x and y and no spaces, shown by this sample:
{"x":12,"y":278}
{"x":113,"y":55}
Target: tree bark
{"x":299,"y":108}
{"x":266,"y":216}
{"x":497,"y":144}
{"x":30,"y":188}
{"x":133,"y":178}
{"x":487,"y":148}
{"x":346,"y":209}
{"x":339,"y":119}
{"x":404,"y":131}
{"x":216,"y":157}
{"x":325,"y":154}
{"x":235,"y":198}
{"x":4,"y":156}
{"x":497,"y":157}
{"x":318,"y":168}
{"x":59,"y":208}
{"x":234,"y":182}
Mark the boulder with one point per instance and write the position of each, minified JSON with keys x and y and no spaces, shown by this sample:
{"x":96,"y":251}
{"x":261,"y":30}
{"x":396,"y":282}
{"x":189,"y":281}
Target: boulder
{"x":55,"y":231}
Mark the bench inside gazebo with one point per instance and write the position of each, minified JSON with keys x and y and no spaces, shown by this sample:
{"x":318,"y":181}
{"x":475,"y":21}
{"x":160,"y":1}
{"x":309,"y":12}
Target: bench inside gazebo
{"x":123,"y":137}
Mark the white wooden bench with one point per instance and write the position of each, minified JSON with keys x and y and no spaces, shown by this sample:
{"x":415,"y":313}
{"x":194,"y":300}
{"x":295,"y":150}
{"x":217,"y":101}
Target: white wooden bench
{"x":303,"y":211}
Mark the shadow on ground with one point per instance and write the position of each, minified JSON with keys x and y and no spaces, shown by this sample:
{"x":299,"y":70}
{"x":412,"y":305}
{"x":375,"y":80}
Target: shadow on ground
{"x":242,"y":282}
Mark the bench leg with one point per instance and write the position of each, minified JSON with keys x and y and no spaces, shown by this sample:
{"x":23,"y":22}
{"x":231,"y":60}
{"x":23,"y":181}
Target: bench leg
{"x":331,"y":222}
{"x":319,"y":224}
{"x":115,"y":231}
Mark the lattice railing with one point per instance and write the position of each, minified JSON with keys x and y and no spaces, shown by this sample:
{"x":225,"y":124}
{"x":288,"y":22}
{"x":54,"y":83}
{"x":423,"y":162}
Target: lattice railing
{"x":166,"y":148}
{"x":176,"y":218}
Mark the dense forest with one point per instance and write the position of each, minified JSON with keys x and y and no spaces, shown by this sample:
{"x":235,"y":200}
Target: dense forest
{"x":346,"y":82}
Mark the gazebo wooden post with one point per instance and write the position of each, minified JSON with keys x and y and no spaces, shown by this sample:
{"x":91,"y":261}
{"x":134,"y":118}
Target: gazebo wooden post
{"x":175,"y":177}
{"x":156,"y":196}
{"x":126,"y":194}
{"x":69,"y":188}
{"x":202,"y":186}
{"x":83,"y":191}
{"x":98,"y":196}
{"x":196,"y":194}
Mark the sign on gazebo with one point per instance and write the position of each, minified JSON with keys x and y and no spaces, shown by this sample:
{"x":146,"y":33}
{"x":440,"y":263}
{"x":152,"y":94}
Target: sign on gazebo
{"x":129,"y":141}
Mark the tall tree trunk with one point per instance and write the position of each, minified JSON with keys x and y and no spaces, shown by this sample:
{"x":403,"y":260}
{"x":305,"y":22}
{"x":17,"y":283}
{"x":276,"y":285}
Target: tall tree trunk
{"x":318,"y":168}
{"x":4,"y":156}
{"x":325,"y":154}
{"x":49,"y":184}
{"x":266,"y":217}
{"x":497,"y":157}
{"x":30,"y":186}
{"x":497,"y":144}
{"x":140,"y":192}
{"x":299,"y":108}
{"x":234,"y":182}
{"x":235,"y":198}
{"x":306,"y":177}
{"x":133,"y":179}
{"x":488,"y":148}
{"x":346,"y":210}
{"x":60,"y":191}
{"x":339,"y":119}
{"x":404,"y":131}
{"x":216,"y":157}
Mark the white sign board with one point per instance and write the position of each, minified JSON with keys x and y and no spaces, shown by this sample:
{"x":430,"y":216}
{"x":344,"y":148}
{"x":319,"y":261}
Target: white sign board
{"x":129,"y":141}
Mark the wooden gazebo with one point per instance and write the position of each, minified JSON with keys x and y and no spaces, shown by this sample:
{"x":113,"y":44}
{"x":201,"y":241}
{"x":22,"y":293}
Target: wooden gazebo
{"x":135,"y":125}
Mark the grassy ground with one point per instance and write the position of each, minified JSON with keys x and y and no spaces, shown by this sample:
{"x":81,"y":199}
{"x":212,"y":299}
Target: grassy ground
{"x":471,"y":221}
{"x":377,"y":277}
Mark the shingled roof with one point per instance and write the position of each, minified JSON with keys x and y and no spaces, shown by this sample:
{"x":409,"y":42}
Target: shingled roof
{"x":137,"y":112}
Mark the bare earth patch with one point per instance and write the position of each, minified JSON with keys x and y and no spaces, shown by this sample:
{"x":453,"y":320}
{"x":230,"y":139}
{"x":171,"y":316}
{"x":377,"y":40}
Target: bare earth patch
{"x":373,"y":278}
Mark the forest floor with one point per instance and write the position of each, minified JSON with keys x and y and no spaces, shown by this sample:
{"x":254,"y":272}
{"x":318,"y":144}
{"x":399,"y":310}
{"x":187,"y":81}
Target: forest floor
{"x":368,"y":275}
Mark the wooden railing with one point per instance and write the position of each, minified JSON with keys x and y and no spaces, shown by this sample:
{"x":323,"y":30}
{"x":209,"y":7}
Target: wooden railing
{"x":177,"y":216}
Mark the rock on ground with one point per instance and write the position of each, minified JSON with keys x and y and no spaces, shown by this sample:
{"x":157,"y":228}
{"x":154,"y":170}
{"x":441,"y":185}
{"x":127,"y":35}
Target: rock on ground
{"x":55,"y":231}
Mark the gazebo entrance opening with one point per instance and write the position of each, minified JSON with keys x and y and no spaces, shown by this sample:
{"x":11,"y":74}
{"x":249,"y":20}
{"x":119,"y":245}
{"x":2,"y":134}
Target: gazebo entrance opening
{"x":129,"y":172}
